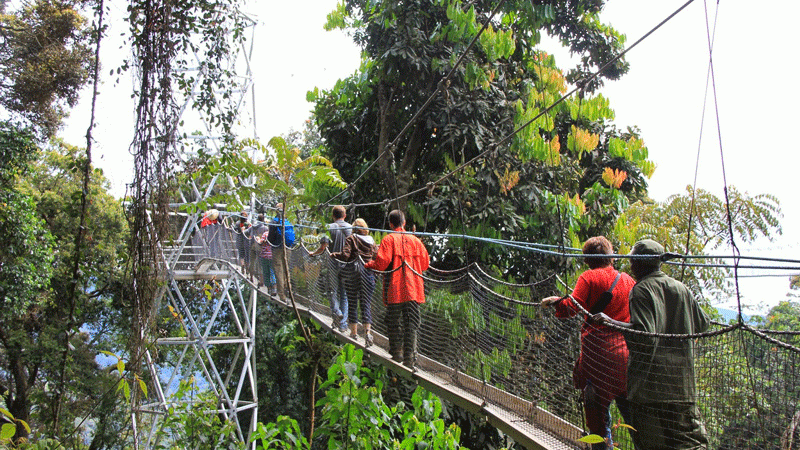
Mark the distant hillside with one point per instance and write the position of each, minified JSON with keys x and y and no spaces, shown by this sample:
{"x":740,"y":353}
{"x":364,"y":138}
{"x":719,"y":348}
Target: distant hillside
{"x":730,"y":314}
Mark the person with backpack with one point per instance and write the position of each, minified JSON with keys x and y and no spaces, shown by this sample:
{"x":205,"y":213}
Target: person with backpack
{"x":359,"y":248}
{"x":281,"y":238}
{"x":339,"y":231}
{"x":600,"y":370}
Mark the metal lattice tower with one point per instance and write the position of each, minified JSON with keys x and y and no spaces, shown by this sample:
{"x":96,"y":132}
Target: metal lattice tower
{"x":205,"y":313}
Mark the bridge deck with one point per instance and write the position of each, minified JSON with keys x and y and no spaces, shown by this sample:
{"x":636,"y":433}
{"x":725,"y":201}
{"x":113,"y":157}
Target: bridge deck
{"x":524,"y":421}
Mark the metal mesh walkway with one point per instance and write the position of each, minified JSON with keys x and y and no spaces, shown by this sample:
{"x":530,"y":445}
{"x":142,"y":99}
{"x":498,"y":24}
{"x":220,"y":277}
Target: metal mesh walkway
{"x":489,"y":347}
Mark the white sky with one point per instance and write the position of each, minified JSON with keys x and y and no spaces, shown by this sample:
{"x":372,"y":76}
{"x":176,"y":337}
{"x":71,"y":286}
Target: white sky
{"x":662,"y":95}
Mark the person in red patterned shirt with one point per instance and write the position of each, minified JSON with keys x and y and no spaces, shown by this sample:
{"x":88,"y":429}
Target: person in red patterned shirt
{"x":600,"y":372}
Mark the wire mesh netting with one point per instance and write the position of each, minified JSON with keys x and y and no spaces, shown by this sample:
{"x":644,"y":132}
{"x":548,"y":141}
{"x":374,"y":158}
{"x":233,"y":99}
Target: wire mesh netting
{"x":494,"y":340}
{"x":747,"y":392}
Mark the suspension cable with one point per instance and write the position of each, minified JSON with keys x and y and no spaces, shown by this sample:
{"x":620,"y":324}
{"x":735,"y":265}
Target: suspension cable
{"x":710,"y":36}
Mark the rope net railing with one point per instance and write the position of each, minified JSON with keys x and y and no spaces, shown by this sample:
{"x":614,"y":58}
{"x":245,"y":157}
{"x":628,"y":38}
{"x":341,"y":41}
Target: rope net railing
{"x":494,"y":340}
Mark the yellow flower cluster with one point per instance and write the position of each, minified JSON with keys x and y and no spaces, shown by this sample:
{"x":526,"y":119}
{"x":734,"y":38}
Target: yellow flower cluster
{"x":614,"y":177}
{"x":581,"y":140}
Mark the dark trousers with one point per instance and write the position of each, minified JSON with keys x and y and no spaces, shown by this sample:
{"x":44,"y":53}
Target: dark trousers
{"x":598,"y":416}
{"x":360,"y":288}
{"x":667,"y":426}
{"x":402,"y":323}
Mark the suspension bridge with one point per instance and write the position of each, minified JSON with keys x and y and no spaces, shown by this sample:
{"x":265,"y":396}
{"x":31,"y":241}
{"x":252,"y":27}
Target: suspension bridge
{"x":484,"y":344}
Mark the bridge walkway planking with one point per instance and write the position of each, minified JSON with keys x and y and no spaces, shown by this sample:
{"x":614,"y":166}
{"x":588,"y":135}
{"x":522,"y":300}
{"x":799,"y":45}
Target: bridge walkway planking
{"x":525,"y":422}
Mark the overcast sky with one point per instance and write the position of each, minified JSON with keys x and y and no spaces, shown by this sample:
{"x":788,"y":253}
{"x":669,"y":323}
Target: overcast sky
{"x":754,"y":61}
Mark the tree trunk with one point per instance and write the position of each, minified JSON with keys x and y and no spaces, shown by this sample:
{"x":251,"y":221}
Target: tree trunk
{"x":386,"y":155}
{"x":312,"y":393}
{"x":19,"y":406}
{"x":405,"y":173}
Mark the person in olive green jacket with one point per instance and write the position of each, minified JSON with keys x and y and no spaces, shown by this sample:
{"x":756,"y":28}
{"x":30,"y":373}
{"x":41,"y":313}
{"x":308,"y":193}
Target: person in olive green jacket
{"x":662,"y":387}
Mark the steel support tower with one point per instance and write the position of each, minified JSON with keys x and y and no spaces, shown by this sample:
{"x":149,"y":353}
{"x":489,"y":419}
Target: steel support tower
{"x":202,"y":359}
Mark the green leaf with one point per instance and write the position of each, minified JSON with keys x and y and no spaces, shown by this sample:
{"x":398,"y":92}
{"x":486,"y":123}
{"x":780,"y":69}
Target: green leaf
{"x":6,"y":413}
{"x":24,"y":425}
{"x":142,"y":386}
{"x":107,"y":353}
{"x":8,"y":431}
{"x":592,"y":439}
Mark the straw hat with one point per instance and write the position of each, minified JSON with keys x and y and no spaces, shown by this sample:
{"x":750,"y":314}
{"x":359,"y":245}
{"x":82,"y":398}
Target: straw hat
{"x":212,"y":214}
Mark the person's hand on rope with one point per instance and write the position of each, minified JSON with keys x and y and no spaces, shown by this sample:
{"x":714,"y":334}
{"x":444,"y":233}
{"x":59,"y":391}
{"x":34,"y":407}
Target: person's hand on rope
{"x":603,"y":319}
{"x":598,"y":319}
{"x":551,"y":301}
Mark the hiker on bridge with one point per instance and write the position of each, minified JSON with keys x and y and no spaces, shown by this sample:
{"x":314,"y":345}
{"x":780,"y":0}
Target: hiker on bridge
{"x":339,"y":231}
{"x":281,"y":246}
{"x":360,"y":282}
{"x":265,"y":258}
{"x":241,"y":230}
{"x":662,"y":387}
{"x":405,"y":258}
{"x":256,"y":266}
{"x":210,"y":229}
{"x":600,"y":370}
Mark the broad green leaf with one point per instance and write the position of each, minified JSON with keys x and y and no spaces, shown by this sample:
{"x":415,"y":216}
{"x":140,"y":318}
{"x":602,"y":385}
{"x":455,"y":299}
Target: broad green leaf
{"x":592,"y":439}
{"x":8,"y":431}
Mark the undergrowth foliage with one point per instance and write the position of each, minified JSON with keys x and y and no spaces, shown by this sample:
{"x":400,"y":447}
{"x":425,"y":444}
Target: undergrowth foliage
{"x":355,"y":414}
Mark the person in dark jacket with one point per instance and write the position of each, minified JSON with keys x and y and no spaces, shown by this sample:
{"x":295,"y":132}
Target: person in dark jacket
{"x":359,"y":248}
{"x":662,"y":386}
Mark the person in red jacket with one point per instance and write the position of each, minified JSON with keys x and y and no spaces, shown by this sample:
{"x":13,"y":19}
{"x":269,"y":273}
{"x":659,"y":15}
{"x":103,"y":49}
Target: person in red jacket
{"x":602,"y":365}
{"x":404,"y":258}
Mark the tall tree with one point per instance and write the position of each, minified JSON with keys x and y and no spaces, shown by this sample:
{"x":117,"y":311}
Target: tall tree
{"x":520,"y":187}
{"x":696,"y":223}
{"x":31,"y":356}
{"x":45,"y":59}
{"x":25,"y":266}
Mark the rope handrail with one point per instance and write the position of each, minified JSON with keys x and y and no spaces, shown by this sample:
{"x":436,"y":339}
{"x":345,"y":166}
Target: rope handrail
{"x":705,"y":334}
{"x":771,"y":340}
{"x":572,"y":252}
{"x":487,"y":337}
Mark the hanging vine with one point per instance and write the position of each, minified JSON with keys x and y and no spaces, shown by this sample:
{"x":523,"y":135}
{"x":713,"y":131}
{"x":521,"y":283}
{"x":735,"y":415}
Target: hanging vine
{"x":181,"y":54}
